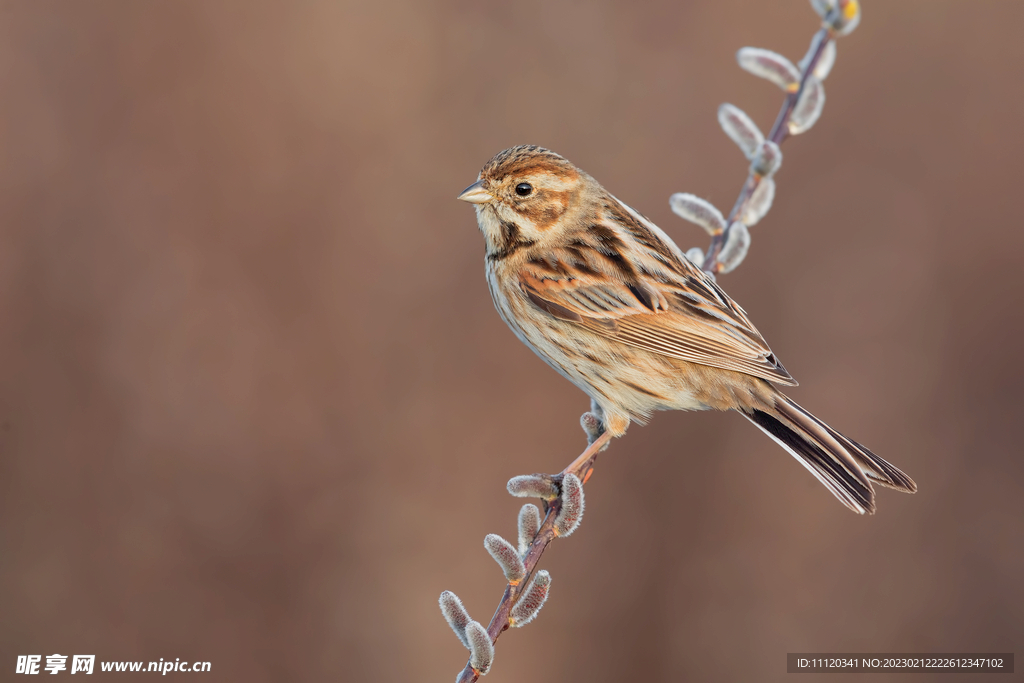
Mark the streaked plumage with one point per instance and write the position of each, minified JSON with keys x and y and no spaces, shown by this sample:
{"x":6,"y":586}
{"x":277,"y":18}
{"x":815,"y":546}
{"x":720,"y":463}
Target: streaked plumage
{"x":609,"y":301}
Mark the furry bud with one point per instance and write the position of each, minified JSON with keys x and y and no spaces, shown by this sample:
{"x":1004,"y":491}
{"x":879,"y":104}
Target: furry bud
{"x":481,"y":649}
{"x":696,"y":256}
{"x":531,"y":601}
{"x":759,"y":203}
{"x":699,"y":211}
{"x":842,"y":16}
{"x":735,"y":249}
{"x":826,"y":61}
{"x":532,"y":486}
{"x":571,"y":514}
{"x":529,"y":525}
{"x":850,"y":11}
{"x":738,"y":126}
{"x":826,"y":57}
{"x":808,"y":107}
{"x":770,"y":66}
{"x":455,"y":614}
{"x":506,"y":557}
{"x":767,"y":160}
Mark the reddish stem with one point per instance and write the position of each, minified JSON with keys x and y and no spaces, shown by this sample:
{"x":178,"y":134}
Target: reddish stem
{"x":582,"y":467}
{"x":778,"y":134}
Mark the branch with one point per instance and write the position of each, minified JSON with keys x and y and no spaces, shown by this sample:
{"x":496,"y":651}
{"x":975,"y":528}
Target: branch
{"x":778,"y":134}
{"x":562,"y":494}
{"x":553,"y":526}
{"x":798,"y":113}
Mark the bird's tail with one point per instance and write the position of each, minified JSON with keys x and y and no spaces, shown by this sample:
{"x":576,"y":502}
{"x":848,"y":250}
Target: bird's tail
{"x":845,"y":467}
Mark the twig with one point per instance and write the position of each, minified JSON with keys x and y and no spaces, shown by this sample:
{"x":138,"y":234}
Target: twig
{"x":558,"y":491}
{"x":778,"y":134}
{"x":582,"y":467}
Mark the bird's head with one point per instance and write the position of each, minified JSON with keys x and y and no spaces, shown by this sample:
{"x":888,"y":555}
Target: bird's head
{"x":523,"y":196}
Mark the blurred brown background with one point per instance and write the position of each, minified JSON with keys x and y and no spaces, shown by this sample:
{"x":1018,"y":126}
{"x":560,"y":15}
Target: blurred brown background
{"x":256,"y":407}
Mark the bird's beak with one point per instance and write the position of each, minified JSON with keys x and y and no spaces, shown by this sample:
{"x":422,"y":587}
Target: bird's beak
{"x":476,"y":194}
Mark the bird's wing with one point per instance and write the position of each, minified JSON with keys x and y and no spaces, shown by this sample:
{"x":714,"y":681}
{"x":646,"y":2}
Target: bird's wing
{"x":648,"y":296}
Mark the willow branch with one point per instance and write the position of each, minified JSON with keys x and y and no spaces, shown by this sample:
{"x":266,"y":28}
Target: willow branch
{"x":778,"y":134}
{"x":582,"y":467}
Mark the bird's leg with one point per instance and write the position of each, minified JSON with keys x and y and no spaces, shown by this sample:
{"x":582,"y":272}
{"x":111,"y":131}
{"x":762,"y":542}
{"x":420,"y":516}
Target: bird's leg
{"x":584,"y":464}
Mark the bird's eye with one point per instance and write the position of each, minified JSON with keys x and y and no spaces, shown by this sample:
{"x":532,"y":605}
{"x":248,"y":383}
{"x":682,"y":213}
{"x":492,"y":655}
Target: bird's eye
{"x":523,"y":189}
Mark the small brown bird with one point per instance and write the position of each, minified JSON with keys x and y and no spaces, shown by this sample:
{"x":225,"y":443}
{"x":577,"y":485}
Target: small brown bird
{"x":609,"y":301}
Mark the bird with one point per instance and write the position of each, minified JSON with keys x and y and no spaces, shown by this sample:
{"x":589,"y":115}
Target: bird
{"x":608,"y":300}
